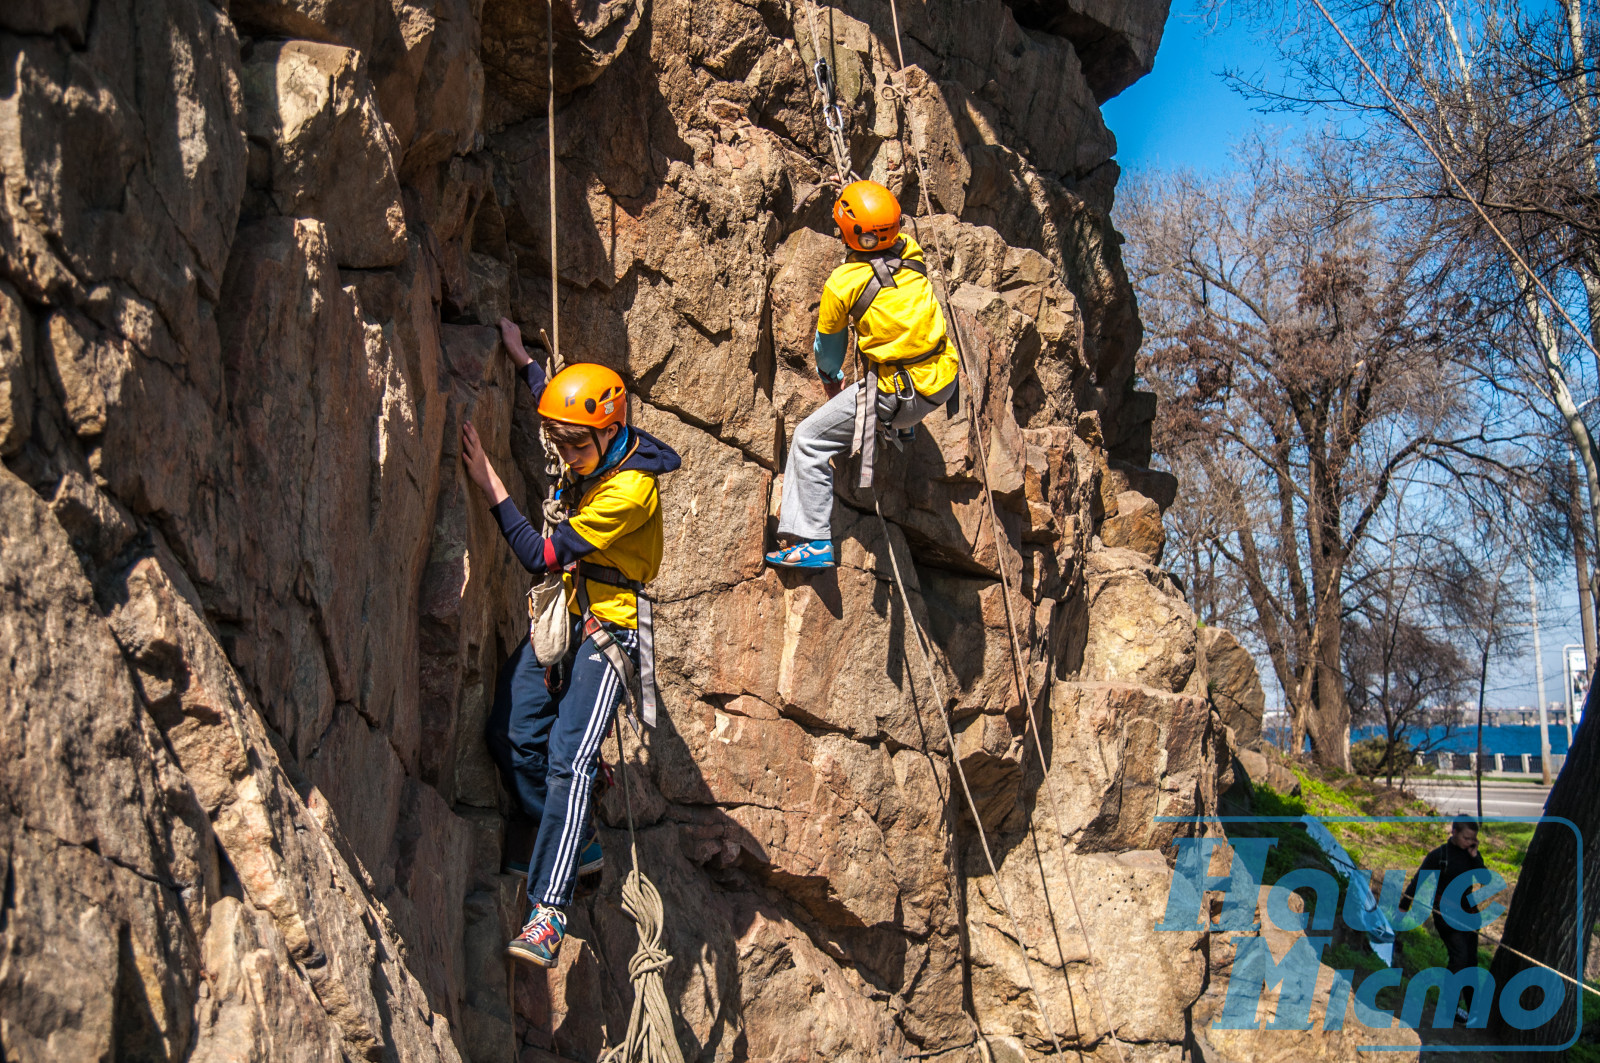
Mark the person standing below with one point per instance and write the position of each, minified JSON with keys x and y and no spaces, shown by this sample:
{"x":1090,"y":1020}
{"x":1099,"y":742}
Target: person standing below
{"x":550,"y":717}
{"x":1456,"y":857}
{"x":883,"y":289}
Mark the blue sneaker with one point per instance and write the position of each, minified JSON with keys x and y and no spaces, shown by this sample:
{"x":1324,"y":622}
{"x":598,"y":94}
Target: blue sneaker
{"x":591,"y":859}
{"x":818,"y":553}
{"x":541,"y":939}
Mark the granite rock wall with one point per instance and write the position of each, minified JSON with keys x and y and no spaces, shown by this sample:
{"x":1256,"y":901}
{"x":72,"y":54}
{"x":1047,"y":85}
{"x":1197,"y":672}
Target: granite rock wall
{"x":251,"y":259}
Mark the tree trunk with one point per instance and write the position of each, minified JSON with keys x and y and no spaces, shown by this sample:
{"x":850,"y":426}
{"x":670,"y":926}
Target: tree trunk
{"x":1556,"y":374}
{"x":1580,"y":557}
{"x":1328,"y":718}
{"x":1547,"y":917}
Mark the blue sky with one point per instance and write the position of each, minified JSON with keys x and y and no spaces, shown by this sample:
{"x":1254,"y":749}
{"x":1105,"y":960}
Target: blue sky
{"x":1184,"y":115}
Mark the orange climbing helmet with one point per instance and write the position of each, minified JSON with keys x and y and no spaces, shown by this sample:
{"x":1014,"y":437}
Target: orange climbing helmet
{"x":586,"y":394}
{"x":868,"y":216}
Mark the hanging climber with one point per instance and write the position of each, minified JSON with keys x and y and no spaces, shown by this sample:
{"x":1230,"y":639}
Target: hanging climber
{"x":882,"y":289}
{"x":550,"y":717}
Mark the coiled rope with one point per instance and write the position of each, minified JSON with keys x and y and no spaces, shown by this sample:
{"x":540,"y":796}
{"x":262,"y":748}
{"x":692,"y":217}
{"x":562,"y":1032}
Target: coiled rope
{"x":650,"y":1037}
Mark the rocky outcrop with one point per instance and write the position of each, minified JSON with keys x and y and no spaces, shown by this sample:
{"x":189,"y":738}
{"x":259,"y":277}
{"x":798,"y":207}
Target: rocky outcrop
{"x":1234,"y":685}
{"x":1335,"y":1020}
{"x":250,"y":264}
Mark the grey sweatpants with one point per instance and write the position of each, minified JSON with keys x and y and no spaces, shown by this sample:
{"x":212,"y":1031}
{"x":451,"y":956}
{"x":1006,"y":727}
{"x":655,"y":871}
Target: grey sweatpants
{"x":827,"y":434}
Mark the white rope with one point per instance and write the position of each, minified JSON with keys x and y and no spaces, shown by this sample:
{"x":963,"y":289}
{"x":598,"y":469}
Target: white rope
{"x":550,"y":141}
{"x":650,"y":1037}
{"x":1018,"y":673}
{"x":1585,"y":986}
{"x":914,"y":625}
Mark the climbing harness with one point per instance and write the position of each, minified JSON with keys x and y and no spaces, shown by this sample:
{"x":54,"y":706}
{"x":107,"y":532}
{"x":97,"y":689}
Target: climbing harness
{"x":941,"y":292}
{"x":638,"y":684}
{"x":884,"y":268}
{"x":650,"y":1037}
{"x":862,"y":444}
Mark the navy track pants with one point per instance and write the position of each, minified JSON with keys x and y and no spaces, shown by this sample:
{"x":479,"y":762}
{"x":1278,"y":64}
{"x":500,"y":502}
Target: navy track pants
{"x":547,"y":746}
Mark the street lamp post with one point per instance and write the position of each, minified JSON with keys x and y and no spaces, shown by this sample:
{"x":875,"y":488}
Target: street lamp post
{"x":1538,"y":668}
{"x":1572,"y":654}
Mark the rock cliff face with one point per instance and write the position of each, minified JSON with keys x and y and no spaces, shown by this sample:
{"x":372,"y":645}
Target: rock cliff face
{"x":252,"y":612}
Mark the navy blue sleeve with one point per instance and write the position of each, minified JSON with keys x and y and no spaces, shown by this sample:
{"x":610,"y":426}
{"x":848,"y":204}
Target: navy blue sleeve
{"x":532,"y":375}
{"x":569,"y":545}
{"x":538,"y":554}
{"x":527,"y":544}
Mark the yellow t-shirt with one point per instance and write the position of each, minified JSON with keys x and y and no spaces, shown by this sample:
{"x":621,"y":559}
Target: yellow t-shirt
{"x":621,"y":516}
{"x":903,"y":322}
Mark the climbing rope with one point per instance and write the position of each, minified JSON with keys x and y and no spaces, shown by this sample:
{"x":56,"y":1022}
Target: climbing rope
{"x":843,"y":168}
{"x":833,"y":119}
{"x":1585,"y":986}
{"x":650,"y":1037}
{"x":915,"y":626}
{"x":550,"y":143}
{"x":1018,"y":671}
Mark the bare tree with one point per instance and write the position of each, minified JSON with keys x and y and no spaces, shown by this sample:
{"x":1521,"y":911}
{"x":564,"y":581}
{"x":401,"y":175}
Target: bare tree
{"x":1303,"y":346}
{"x":1508,"y":95}
{"x":1405,"y":678}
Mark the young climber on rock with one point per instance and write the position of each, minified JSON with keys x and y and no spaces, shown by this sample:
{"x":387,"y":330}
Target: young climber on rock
{"x":550,"y":717}
{"x":882,"y":289}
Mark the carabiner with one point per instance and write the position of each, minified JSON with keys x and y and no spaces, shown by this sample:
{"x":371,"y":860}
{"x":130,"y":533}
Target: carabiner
{"x":824,"y":76}
{"x":901,"y":377}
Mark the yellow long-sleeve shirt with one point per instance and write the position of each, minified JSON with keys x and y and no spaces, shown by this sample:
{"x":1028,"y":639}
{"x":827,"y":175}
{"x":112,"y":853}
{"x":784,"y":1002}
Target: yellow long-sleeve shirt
{"x":903,"y":322}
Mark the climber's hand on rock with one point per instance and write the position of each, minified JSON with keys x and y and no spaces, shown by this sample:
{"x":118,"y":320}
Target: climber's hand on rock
{"x":478,"y":467}
{"x":513,"y":338}
{"x":831,"y":387}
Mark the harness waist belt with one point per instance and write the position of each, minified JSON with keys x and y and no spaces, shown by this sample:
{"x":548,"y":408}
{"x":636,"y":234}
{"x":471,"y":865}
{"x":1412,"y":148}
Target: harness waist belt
{"x":915,"y":359}
{"x":638,"y":686}
{"x":611,"y":577}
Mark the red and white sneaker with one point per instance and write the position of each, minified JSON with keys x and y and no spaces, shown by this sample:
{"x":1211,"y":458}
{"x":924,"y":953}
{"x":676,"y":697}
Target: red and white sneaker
{"x":541,"y":939}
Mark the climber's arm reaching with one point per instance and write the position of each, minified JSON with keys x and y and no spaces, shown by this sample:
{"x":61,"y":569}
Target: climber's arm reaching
{"x":832,"y":340}
{"x":538,"y":553}
{"x":830,"y":350}
{"x":531,"y":372}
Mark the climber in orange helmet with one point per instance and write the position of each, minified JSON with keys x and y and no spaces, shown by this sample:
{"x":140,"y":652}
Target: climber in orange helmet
{"x":882,"y":289}
{"x":550,"y":717}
